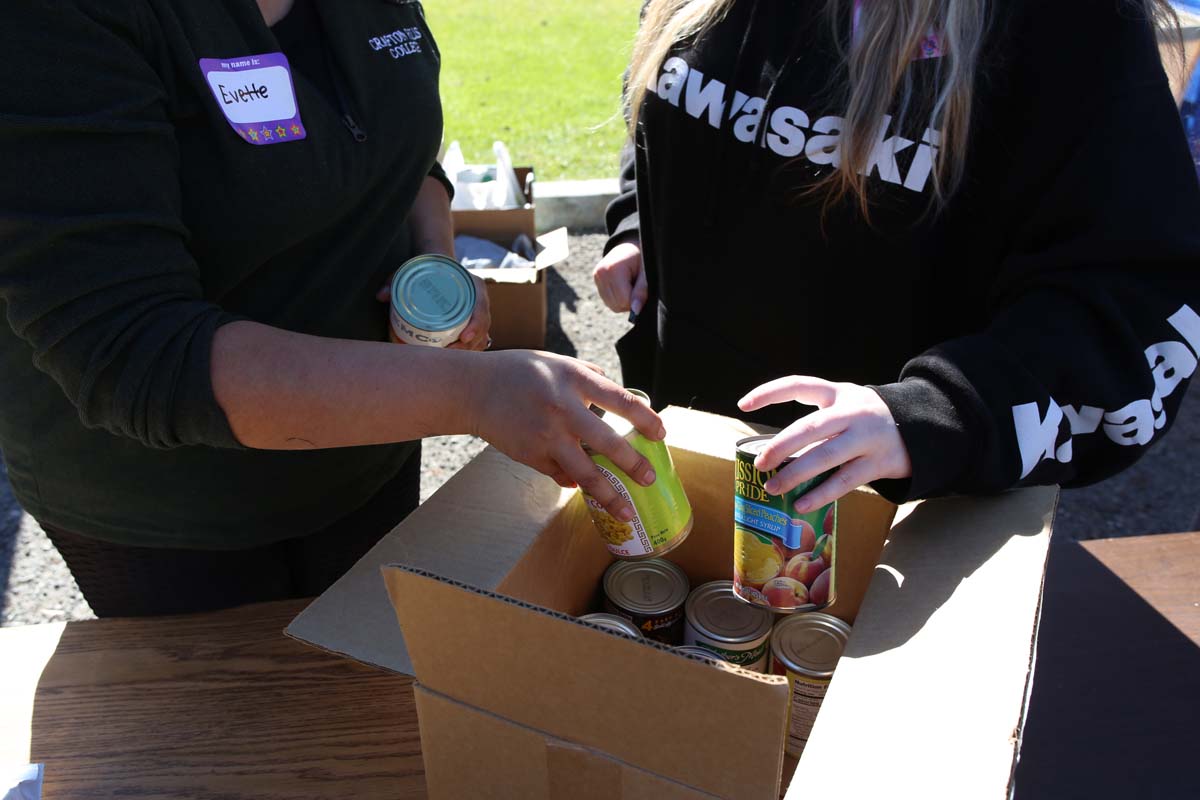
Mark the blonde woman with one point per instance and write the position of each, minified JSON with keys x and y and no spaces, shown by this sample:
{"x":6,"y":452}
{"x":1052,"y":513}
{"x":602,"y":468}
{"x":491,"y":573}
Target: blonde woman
{"x":966,"y":232}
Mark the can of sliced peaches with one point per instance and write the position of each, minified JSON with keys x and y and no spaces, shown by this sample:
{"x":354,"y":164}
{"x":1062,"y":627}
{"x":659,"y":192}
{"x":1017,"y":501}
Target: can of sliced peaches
{"x":782,"y":560}
{"x":805,"y":648}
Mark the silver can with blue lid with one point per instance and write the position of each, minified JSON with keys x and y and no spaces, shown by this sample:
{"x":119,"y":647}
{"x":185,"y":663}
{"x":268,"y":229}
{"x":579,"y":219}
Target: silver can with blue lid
{"x":433,"y":298}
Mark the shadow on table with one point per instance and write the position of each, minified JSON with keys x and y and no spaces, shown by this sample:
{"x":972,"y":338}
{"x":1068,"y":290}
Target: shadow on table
{"x":934,"y":555}
{"x":10,"y":526}
{"x":559,"y":295}
{"x":1115,"y":709}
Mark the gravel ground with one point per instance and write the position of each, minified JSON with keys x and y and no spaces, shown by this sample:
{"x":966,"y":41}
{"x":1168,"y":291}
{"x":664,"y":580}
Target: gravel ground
{"x":1157,"y":495}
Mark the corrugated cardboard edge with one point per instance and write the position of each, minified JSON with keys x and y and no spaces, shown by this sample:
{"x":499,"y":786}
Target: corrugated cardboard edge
{"x":592,"y":686}
{"x":974,"y":665}
{"x":525,"y":763}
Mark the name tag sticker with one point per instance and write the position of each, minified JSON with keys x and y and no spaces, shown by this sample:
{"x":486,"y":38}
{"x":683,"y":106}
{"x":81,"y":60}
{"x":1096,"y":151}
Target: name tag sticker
{"x":257,"y":96}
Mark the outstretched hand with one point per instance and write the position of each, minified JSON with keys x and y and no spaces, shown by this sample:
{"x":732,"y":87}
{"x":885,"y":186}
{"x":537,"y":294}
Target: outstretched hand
{"x":853,"y":432}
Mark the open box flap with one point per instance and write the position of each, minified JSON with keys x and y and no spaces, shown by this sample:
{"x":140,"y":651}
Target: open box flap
{"x":959,"y":585}
{"x":518,"y":761}
{"x":553,"y":247}
{"x":634,"y":700}
{"x":474,"y":529}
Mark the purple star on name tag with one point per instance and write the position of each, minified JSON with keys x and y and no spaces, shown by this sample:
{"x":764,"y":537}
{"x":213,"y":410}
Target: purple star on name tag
{"x":257,"y":96}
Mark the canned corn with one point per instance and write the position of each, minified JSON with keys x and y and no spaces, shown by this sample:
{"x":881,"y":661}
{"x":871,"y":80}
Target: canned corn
{"x":613,"y":623}
{"x":717,"y":620}
{"x":805,"y":648}
{"x":662,"y":514}
{"x":782,"y":560}
{"x":650,"y":594}
{"x":433,"y":298}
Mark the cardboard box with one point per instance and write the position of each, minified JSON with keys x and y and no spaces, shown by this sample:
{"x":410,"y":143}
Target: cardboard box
{"x":518,"y":699}
{"x":518,"y":296}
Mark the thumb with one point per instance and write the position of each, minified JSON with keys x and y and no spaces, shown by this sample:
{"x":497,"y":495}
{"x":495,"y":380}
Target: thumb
{"x":640,"y":292}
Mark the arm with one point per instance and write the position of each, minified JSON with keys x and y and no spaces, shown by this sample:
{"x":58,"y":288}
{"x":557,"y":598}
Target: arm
{"x":1092,"y":331}
{"x":97,"y":280}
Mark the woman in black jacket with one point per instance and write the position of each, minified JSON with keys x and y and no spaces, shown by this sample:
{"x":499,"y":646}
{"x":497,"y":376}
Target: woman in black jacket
{"x":968,"y":233}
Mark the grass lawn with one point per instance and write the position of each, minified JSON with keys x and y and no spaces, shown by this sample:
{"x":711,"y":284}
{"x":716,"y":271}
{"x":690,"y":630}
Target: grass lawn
{"x":542,"y":77}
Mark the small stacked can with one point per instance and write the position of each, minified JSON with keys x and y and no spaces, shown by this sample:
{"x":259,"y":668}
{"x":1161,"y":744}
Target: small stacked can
{"x":650,"y":594}
{"x":805,"y":649}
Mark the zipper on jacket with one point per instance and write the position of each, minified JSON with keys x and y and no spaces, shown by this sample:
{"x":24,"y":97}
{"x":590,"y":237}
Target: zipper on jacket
{"x":339,"y":84}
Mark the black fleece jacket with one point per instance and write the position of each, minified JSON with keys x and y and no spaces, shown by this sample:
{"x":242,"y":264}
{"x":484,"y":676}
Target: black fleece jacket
{"x":1039,"y":329}
{"x":135,"y":220}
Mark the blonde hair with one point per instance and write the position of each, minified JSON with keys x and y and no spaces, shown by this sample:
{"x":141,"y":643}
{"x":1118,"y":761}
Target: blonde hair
{"x":888,"y":34}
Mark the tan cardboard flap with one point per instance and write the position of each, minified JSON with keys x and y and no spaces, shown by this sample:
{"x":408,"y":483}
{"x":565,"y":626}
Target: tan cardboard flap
{"x":953,"y":606}
{"x":462,"y":532}
{"x":471,"y":753}
{"x":593,"y":687}
{"x":553,"y":247}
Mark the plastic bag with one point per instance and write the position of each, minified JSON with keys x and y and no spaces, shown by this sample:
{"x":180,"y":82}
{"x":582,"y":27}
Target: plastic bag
{"x":482,"y":186}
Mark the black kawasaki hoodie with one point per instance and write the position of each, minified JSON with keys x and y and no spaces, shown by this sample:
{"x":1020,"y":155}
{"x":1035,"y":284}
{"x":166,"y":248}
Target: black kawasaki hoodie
{"x":1039,"y":329}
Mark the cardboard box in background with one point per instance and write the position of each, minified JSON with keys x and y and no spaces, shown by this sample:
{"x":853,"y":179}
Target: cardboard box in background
{"x":518,"y":699}
{"x":518,"y":296}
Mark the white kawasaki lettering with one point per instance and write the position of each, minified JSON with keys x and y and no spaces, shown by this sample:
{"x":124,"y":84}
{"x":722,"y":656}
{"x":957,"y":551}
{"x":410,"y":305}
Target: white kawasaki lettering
{"x":1170,"y":364}
{"x":788,"y":136}
{"x":703,"y":98}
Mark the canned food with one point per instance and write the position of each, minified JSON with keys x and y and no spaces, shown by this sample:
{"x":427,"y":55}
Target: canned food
{"x":433,"y":298}
{"x":613,"y":623}
{"x":782,"y":560}
{"x":662,"y":514}
{"x":696,"y":650}
{"x":805,"y":648}
{"x":650,"y":594}
{"x":717,"y":620}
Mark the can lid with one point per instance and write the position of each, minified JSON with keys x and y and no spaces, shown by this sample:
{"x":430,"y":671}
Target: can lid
{"x":810,"y":644}
{"x":715,"y":611}
{"x":433,"y":293}
{"x":613,"y":623}
{"x":697,"y":650}
{"x":653,"y":586}
{"x":753,"y":445}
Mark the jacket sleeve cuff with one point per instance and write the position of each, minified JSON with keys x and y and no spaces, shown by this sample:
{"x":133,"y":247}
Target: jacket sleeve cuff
{"x":933,"y":433}
{"x":199,"y":418}
{"x":622,"y":235}
{"x":439,"y":174}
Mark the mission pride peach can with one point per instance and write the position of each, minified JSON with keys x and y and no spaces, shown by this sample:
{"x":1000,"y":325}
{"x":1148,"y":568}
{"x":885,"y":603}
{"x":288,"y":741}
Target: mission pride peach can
{"x":781,"y":560}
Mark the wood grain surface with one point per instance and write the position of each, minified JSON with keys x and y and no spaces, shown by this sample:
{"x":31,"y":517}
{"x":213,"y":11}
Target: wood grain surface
{"x":1164,"y":570}
{"x":219,"y":706}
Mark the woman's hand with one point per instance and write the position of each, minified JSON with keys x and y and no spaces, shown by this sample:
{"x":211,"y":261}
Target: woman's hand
{"x":621,"y":280}
{"x":534,"y":407}
{"x":853,"y":431}
{"x":475,"y":335}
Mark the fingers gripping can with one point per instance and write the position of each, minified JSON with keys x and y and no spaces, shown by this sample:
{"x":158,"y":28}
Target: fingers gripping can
{"x":782,"y":560}
{"x":433,"y":298}
{"x":662,"y":514}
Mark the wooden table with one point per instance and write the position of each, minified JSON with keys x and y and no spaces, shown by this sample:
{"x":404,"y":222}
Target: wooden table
{"x":216,"y":705}
{"x":224,"y":706}
{"x":1115,"y":710}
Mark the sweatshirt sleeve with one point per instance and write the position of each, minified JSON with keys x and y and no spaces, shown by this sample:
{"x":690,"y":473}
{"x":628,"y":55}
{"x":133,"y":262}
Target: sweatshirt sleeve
{"x":437,"y":173}
{"x":1093,"y":331}
{"x":94,"y":272}
{"x":621,"y":216}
